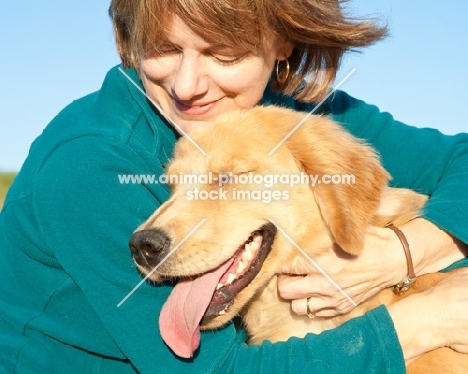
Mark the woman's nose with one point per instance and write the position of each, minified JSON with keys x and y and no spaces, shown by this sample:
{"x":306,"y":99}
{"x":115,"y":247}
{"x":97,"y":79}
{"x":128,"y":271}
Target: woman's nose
{"x":190,"y":79}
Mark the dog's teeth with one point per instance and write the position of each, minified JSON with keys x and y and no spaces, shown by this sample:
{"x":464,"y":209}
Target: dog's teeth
{"x":247,"y":255}
{"x":248,"y":247}
{"x":222,"y":312}
{"x":255,"y":246}
{"x":219,"y":286}
{"x":241,"y":266}
{"x":258,"y":239}
{"x":231,"y":278}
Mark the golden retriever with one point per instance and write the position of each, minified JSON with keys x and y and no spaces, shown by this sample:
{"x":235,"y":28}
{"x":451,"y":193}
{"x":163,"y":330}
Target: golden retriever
{"x":228,"y":233}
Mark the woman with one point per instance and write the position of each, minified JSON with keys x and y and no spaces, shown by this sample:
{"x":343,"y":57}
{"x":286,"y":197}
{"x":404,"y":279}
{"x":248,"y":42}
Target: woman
{"x":69,"y":213}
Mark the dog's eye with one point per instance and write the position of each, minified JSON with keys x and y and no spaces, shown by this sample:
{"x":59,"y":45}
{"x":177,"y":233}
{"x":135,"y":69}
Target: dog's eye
{"x":247,"y":177}
{"x":224,"y":179}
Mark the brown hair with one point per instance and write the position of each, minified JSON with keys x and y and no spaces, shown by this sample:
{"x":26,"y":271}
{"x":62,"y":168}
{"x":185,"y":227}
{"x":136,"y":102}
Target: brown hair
{"x":319,"y":31}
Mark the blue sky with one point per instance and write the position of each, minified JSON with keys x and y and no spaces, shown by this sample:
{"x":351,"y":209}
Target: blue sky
{"x":55,"y":51}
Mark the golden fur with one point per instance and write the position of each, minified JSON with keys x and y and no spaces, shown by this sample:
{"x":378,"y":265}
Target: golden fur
{"x":316,"y":218}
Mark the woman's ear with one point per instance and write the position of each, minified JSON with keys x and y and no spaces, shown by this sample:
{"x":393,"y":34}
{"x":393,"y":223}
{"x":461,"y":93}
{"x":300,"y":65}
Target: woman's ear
{"x":284,"y":51}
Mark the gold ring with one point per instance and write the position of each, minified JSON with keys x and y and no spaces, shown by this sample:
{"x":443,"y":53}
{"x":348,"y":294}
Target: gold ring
{"x":309,"y":313}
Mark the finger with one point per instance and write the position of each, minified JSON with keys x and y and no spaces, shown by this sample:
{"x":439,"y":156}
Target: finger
{"x":303,"y":286}
{"x":299,"y":306}
{"x":460,"y":348}
{"x":290,"y":286}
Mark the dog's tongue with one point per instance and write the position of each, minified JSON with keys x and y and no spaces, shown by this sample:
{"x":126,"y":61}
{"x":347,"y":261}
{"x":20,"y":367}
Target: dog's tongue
{"x":181,"y":314}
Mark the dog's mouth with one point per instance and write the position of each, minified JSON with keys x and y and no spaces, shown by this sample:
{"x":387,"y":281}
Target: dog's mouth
{"x":246,"y":264}
{"x":195,"y":302}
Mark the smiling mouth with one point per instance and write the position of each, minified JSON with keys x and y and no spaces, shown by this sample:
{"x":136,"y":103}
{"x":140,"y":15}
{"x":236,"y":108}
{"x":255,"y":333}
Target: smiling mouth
{"x":193,"y":106}
{"x":192,"y":109}
{"x":247,"y":263}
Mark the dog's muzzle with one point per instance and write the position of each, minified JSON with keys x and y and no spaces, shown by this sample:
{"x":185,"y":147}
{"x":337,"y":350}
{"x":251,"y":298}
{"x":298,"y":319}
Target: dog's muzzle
{"x":149,"y":246}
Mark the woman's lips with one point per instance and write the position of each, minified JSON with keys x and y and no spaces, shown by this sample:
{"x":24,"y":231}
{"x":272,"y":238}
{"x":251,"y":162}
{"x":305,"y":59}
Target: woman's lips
{"x":194,"y":109}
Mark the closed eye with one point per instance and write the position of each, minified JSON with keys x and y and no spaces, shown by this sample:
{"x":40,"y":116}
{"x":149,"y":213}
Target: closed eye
{"x":229,"y":60}
{"x":167,"y":48}
{"x":226,"y":54}
{"x":236,"y":177}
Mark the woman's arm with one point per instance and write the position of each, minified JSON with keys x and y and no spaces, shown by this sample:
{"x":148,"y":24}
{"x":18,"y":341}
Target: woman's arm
{"x":423,"y":322}
{"x":87,"y":216}
{"x":420,"y":159}
{"x":434,"y":318}
{"x":366,"y":344}
{"x":432,"y":248}
{"x":423,"y":160}
{"x":381,"y":264}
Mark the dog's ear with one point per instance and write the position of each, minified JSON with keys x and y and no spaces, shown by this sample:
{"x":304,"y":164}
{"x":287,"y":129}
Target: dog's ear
{"x":350,"y":178}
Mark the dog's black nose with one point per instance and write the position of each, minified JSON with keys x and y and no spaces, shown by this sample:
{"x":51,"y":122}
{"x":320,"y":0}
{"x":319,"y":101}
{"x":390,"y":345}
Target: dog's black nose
{"x":148,"y":246}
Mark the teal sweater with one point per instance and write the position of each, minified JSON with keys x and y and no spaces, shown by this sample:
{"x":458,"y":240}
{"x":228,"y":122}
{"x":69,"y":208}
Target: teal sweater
{"x":67,"y":219}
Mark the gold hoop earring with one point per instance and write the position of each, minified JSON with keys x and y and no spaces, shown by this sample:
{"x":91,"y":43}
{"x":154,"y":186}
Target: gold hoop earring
{"x":282,"y":76}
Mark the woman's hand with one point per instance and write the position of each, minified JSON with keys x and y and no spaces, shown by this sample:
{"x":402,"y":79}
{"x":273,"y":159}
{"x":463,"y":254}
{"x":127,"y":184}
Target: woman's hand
{"x":381,"y":264}
{"x":434,"y":318}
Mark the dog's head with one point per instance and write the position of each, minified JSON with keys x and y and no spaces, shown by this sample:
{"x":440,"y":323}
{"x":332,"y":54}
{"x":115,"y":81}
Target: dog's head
{"x":235,"y":220}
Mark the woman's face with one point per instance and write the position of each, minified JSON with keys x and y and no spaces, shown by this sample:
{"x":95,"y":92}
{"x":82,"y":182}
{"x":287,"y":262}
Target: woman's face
{"x":194,"y":80}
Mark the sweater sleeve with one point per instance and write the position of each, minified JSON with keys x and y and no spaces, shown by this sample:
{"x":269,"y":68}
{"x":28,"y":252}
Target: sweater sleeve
{"x":365,"y":344}
{"x":421,"y":159}
{"x":86,"y":215}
